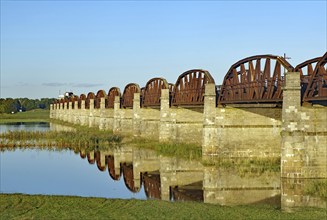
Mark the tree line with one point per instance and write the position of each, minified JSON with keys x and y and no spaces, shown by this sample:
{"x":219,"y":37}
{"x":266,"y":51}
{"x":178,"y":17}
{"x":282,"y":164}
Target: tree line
{"x":10,"y":105}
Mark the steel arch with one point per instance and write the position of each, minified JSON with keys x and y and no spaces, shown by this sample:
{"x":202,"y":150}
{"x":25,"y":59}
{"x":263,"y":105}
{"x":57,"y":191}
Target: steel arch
{"x":317,"y":85}
{"x":254,"y":84}
{"x":128,"y":95}
{"x":90,"y":95}
{"x":81,"y":97}
{"x":100,"y":94}
{"x":189,"y":87}
{"x":306,"y":69}
{"x":113,"y":92}
{"x":72,"y":99}
{"x":152,"y":92}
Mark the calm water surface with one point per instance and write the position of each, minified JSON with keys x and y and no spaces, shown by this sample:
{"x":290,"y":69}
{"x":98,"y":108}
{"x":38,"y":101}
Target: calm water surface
{"x":24,"y":126}
{"x":35,"y":171}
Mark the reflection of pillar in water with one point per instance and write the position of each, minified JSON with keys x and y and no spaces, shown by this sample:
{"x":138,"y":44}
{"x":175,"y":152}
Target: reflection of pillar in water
{"x":129,"y":179}
{"x":101,"y":160}
{"x":177,"y":172}
{"x":121,"y":155}
{"x":228,"y":187}
{"x":144,"y":161}
{"x":111,"y":168}
{"x":90,"y":157}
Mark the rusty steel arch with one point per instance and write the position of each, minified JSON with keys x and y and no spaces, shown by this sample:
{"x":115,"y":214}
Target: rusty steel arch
{"x":152,"y":92}
{"x":90,"y":95}
{"x":128,"y":95}
{"x":317,"y":85}
{"x":72,"y":99}
{"x":100,"y":94}
{"x":129,"y":177}
{"x":63,"y":101}
{"x":111,"y":168}
{"x":246,"y":82}
{"x":82,"y":97}
{"x":189,"y":88}
{"x":113,"y":92}
{"x":306,"y":69}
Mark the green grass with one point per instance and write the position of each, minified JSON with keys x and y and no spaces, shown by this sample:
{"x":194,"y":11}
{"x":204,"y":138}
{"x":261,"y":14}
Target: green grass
{"x":37,"y":115}
{"x":181,"y":150}
{"x":253,"y":166}
{"x":317,"y":188}
{"x":18,"y":206}
{"x":88,"y":138}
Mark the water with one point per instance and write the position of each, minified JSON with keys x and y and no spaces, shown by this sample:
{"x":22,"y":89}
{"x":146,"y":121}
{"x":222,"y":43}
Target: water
{"x":33,"y":171}
{"x":24,"y":126}
{"x":126,"y":172}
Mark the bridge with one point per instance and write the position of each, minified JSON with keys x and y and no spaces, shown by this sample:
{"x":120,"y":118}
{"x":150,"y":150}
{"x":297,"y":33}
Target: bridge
{"x":265,"y":107}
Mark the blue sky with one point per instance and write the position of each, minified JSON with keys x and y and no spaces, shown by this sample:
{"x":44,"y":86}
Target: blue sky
{"x":83,"y":46}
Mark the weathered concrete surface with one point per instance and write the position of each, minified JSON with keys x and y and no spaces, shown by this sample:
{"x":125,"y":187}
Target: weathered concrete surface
{"x":304,"y":135}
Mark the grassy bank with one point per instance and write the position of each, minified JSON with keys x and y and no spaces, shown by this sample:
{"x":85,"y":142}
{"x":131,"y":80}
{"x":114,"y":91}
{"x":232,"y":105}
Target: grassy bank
{"x":37,"y":115}
{"x":180,"y":150}
{"x":18,"y":206}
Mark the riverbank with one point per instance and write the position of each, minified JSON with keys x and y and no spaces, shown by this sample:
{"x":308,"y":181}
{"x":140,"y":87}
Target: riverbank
{"x":21,"y":206}
{"x":37,"y":115}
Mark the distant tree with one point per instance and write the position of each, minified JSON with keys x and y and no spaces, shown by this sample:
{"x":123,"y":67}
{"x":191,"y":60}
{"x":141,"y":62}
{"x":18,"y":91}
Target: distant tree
{"x":13,"y":105}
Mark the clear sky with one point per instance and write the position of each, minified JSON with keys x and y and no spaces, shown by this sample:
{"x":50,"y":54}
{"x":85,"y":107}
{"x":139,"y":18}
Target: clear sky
{"x":83,"y":46}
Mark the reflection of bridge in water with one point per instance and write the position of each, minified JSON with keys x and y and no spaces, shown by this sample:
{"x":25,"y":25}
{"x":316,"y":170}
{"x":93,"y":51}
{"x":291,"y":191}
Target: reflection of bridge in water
{"x":264,"y":108}
{"x":180,"y":180}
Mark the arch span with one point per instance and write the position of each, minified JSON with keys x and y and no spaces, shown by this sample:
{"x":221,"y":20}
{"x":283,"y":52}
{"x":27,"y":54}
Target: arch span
{"x":317,"y":85}
{"x":100,"y":94}
{"x":113,"y":92}
{"x":152,"y":92}
{"x":306,"y":70}
{"x":254,"y":80}
{"x":189,"y":87}
{"x":82,"y":97}
{"x":90,"y":95}
{"x":128,"y":95}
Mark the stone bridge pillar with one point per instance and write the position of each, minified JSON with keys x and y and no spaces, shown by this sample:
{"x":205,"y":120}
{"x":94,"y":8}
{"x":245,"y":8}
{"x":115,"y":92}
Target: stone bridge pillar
{"x":136,"y":115}
{"x":117,"y":122}
{"x":209,"y":137}
{"x":102,"y":125}
{"x":83,"y":111}
{"x":51,"y":111}
{"x":65,"y":112}
{"x":76,"y":111}
{"x":70,"y":112}
{"x":91,"y":113}
{"x":165,"y":119}
{"x":292,"y":147}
